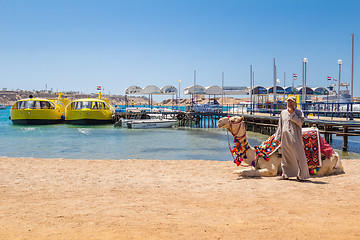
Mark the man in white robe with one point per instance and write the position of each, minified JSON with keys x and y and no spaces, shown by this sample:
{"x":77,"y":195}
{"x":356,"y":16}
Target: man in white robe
{"x":293,"y":162}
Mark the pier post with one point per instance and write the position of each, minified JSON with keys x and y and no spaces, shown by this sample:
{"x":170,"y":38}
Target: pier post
{"x":326,"y":135}
{"x":345,"y":139}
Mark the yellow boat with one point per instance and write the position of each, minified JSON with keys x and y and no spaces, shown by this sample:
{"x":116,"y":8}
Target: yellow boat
{"x":37,"y":111}
{"x":89,"y":111}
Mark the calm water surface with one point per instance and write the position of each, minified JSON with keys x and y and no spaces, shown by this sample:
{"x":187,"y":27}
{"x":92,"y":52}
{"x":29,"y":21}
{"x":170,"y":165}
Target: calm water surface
{"x":108,"y":142}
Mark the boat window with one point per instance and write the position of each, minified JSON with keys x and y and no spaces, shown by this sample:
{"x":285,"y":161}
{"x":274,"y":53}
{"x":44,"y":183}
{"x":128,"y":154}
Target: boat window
{"x":19,"y":105}
{"x":27,"y":104}
{"x":95,"y":105}
{"x":46,"y":105}
{"x":86,"y":104}
{"x":77,"y":105}
{"x":81,"y":105}
{"x":37,"y":105}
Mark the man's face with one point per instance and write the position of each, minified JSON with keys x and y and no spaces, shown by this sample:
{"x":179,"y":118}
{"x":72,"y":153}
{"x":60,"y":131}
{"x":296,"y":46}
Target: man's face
{"x":291,"y":104}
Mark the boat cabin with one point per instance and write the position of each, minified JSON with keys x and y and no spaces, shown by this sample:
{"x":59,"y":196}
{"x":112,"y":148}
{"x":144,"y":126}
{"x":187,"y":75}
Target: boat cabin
{"x":33,"y":104}
{"x":93,"y":104}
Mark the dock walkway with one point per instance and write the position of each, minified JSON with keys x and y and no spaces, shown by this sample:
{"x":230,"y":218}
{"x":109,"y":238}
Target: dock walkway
{"x":267,"y":124}
{"x":339,"y":126}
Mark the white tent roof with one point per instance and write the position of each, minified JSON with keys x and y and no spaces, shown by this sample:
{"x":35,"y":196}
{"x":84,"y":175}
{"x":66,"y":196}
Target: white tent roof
{"x":233,"y":90}
{"x":213,"y":90}
{"x":151,"y":89}
{"x":168,"y":90}
{"x":195,"y":89}
{"x":136,"y":90}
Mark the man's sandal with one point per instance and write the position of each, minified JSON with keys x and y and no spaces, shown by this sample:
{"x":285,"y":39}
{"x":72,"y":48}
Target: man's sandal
{"x":283,"y":177}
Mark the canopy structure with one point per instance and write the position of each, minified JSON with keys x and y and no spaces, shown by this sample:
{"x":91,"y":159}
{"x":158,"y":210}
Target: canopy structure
{"x":214,"y":90}
{"x":232,"y":90}
{"x":168,"y":90}
{"x":309,"y":91}
{"x":320,"y":91}
{"x":194,"y":89}
{"x":134,"y":90}
{"x":279,"y":90}
{"x":151,"y":89}
{"x":291,"y":90}
{"x":259,"y":90}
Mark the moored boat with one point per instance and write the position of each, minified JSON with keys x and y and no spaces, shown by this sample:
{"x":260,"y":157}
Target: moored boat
{"x":150,"y":123}
{"x":38,"y":111}
{"x":89,"y":111}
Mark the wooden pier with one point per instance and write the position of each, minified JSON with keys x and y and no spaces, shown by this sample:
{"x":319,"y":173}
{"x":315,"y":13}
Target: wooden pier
{"x":268,"y":125}
{"x":265,"y":124}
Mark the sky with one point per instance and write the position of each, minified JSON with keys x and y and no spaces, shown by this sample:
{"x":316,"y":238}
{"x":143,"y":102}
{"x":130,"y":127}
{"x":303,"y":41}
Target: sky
{"x":76,"y":45}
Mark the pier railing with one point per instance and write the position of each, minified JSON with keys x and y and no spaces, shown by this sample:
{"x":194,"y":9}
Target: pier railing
{"x":349,"y":111}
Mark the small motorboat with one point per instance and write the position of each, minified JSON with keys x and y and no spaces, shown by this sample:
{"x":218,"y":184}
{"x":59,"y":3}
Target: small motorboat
{"x":150,"y":123}
{"x":141,"y":120}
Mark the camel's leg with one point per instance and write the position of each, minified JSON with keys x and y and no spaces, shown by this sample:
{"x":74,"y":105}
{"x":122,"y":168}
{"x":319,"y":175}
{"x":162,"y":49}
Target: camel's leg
{"x":328,"y":167}
{"x":252,"y":172}
{"x":268,"y":172}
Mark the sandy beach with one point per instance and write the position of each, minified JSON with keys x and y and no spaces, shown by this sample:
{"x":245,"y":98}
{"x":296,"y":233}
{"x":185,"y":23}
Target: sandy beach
{"x":151,"y":199}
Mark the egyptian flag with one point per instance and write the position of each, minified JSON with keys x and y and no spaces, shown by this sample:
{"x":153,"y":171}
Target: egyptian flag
{"x":329,"y":78}
{"x":295,"y":76}
{"x":99,"y":88}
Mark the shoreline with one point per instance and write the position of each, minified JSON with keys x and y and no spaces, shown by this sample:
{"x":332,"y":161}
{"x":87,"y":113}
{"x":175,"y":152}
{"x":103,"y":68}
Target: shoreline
{"x":170,"y":199}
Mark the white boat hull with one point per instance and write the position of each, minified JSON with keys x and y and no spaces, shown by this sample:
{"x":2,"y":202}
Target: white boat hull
{"x":150,"y":123}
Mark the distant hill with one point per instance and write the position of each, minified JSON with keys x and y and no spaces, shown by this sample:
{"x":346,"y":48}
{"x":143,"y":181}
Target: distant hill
{"x":10,"y":97}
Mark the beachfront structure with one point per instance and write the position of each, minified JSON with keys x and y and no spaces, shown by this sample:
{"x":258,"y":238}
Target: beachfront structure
{"x":195,"y":89}
{"x":279,"y":90}
{"x":168,"y":90}
{"x":320,"y":91}
{"x":291,"y":90}
{"x":231,"y":90}
{"x":215,"y":91}
{"x":151,"y":89}
{"x":309,"y":91}
{"x":259,"y":94}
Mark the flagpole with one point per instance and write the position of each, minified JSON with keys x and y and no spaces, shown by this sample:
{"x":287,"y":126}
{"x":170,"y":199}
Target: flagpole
{"x":284,"y":88}
{"x":251,"y":87}
{"x":274,"y":88}
{"x":352,"y":68}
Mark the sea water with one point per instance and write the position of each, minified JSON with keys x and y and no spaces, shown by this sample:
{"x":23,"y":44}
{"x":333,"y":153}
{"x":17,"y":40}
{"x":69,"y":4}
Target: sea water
{"x":109,"y":142}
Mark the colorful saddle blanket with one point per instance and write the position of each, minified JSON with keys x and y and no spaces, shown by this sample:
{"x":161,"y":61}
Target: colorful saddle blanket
{"x":314,"y":146}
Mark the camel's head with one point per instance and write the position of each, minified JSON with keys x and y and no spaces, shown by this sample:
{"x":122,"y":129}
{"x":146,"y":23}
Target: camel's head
{"x":226,"y":121}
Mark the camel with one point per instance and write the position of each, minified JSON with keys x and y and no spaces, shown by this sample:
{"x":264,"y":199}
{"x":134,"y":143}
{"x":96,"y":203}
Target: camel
{"x":271,"y":166}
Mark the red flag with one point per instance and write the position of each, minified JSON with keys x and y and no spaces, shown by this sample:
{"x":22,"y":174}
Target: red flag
{"x":329,"y":78}
{"x":295,"y":76}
